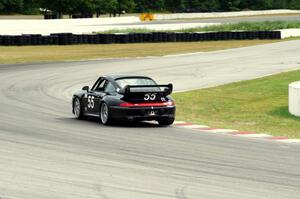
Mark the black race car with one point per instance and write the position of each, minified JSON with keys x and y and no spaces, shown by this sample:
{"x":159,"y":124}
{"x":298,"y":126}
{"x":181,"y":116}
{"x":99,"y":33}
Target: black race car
{"x":125,"y":98}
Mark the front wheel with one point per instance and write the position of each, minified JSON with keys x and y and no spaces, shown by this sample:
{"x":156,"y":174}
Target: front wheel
{"x":77,"y":110}
{"x":166,"y":122}
{"x":105,"y":114}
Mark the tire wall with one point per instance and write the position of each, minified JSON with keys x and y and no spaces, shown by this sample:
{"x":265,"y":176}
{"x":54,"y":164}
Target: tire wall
{"x":73,"y":39}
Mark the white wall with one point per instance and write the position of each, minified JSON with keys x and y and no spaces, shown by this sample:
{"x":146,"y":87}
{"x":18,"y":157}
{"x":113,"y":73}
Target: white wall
{"x":223,"y":14}
{"x":79,"y":26}
{"x":290,"y":33}
{"x":294,"y":98}
{"x":45,"y":27}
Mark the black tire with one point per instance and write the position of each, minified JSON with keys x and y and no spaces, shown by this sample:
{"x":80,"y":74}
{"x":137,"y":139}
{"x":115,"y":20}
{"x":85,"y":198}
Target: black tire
{"x":77,"y":108}
{"x":105,"y":117}
{"x":166,"y":122}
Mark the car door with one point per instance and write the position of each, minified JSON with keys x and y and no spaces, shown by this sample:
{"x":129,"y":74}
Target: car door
{"x":94,"y":97}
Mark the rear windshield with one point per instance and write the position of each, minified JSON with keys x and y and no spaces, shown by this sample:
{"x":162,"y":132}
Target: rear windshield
{"x":135,"y":82}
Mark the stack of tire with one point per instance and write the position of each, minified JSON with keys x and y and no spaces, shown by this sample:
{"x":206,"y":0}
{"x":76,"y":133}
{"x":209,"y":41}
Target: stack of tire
{"x":64,"y":38}
{"x":122,"y":38}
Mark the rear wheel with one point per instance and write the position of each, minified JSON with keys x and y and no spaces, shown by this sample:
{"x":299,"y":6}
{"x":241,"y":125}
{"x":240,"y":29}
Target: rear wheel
{"x":166,"y":122}
{"x":77,"y":109}
{"x":105,"y":114}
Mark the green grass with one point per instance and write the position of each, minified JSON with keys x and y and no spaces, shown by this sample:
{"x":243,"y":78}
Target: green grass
{"x":23,"y":54}
{"x":245,"y":16}
{"x":259,"y":105}
{"x":250,"y":26}
{"x":247,"y":26}
{"x":126,"y":30}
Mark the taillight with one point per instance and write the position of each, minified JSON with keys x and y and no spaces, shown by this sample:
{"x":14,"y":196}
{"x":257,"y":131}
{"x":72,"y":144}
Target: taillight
{"x":170,"y":103}
{"x":128,"y":104}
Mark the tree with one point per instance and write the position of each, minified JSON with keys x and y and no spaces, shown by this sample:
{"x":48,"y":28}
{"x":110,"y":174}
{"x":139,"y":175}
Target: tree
{"x":150,"y":5}
{"x":126,"y":5}
{"x":294,"y":4}
{"x":85,"y":7}
{"x":230,"y":5}
{"x":193,"y":5}
{"x":30,"y":7}
{"x":1,"y":7}
{"x":279,"y":4}
{"x":257,"y":4}
{"x":100,"y":7}
{"x":175,"y":5}
{"x":112,"y":7}
{"x":58,"y":6}
{"x":117,"y":6}
{"x":202,"y":5}
{"x":11,"y":6}
{"x":209,"y":5}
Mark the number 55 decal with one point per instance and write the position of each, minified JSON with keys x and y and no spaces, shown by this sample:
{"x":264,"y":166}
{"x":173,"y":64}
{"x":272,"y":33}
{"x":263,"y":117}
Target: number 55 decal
{"x":150,"y":96}
{"x":91,"y":102}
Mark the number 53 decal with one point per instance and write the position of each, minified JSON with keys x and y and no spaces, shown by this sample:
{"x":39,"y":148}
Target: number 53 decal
{"x":91,"y":102}
{"x":150,"y":96}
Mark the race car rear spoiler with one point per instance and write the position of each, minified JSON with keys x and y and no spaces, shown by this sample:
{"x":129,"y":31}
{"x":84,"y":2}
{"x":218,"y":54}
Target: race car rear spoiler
{"x":168,"y":89}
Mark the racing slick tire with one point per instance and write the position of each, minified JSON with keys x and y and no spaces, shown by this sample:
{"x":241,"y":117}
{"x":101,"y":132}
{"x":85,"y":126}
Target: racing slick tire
{"x":77,"y":109}
{"x":105,"y":116}
{"x":166,"y":122}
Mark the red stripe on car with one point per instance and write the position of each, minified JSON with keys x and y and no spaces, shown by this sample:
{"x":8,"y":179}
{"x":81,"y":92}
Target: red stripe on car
{"x":148,"y":104}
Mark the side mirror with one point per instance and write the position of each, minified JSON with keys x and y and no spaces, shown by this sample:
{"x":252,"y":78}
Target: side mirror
{"x":85,"y":88}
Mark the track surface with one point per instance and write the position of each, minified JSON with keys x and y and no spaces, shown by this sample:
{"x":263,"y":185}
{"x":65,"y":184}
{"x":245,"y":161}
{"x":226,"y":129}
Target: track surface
{"x":45,"y":153}
{"x":223,"y":20}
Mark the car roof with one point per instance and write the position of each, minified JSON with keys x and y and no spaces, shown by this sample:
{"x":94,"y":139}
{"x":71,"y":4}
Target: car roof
{"x":122,"y":76}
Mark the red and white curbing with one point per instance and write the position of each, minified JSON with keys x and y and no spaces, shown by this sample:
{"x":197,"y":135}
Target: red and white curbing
{"x":204,"y":128}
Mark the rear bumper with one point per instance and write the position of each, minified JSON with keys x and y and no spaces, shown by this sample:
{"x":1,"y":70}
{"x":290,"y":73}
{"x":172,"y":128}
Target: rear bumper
{"x":142,"y":113}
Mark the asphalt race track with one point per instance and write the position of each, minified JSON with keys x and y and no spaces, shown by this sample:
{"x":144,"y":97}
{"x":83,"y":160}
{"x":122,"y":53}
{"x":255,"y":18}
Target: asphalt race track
{"x":223,"y":20}
{"x":45,"y":153}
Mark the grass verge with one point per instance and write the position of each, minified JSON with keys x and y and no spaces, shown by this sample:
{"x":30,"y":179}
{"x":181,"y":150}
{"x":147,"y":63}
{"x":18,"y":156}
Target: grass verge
{"x":15,"y":54}
{"x":246,"y":26}
{"x":259,"y":105}
{"x":250,"y":26}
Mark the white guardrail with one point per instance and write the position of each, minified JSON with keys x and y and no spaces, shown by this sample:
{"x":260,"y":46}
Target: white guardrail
{"x":223,"y":14}
{"x":294,"y":98}
{"x":286,"y":33}
{"x":46,"y":27}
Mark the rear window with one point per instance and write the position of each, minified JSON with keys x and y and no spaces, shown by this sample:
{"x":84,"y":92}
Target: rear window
{"x":135,"y":82}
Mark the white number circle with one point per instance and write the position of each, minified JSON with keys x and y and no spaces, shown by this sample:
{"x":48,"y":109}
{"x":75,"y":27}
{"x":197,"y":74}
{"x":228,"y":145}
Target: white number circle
{"x":91,"y":103}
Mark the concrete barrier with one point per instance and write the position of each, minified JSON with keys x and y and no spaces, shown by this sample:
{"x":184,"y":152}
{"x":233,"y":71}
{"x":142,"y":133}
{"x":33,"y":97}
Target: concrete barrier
{"x":223,"y":14}
{"x":79,"y":26}
{"x":286,"y":33}
{"x":46,"y":27}
{"x":294,"y":98}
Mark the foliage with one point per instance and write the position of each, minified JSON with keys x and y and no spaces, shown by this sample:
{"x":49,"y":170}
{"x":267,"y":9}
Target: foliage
{"x":175,"y":5}
{"x":126,"y":5}
{"x":295,"y":4}
{"x":11,"y":6}
{"x":118,"y":6}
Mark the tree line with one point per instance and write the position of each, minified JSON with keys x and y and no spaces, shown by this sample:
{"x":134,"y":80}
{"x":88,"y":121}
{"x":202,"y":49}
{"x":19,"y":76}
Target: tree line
{"x":120,"y":6}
